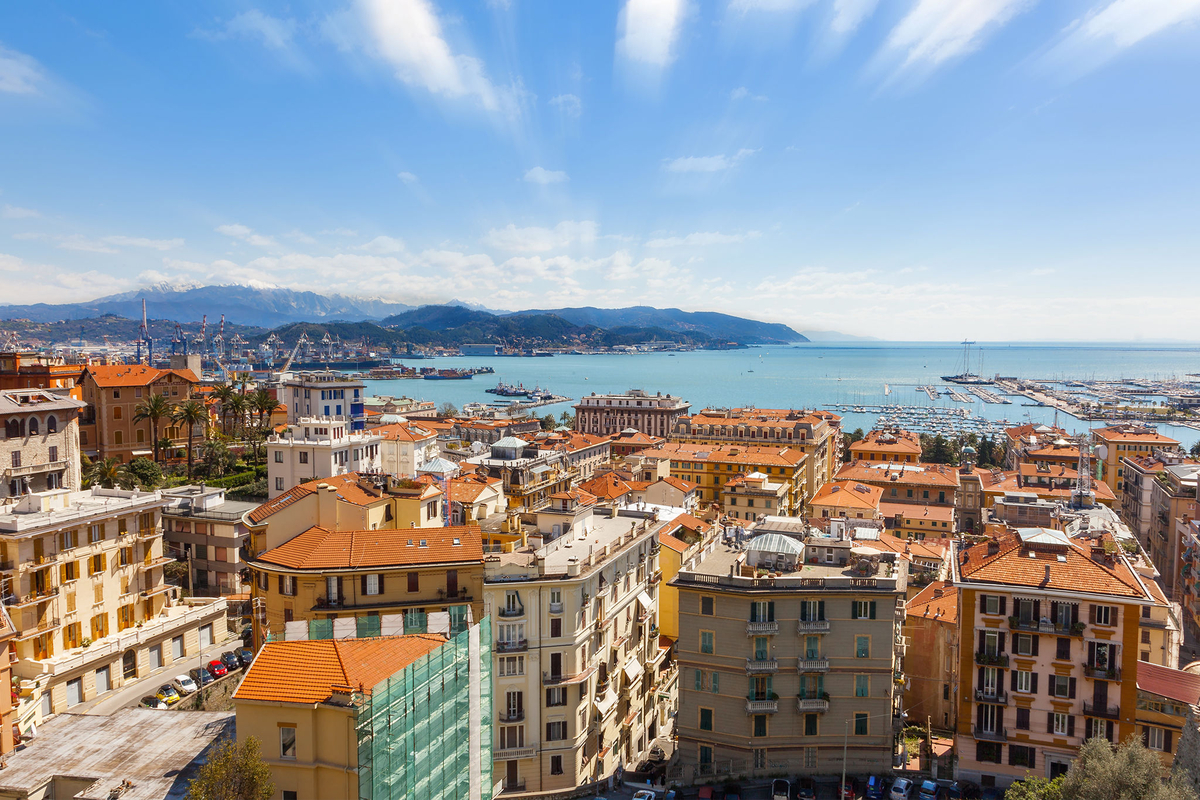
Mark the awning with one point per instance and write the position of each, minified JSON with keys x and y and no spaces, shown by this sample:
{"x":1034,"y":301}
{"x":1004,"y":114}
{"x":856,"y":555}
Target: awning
{"x":137,"y":453}
{"x":634,"y":670}
{"x":645,"y":599}
{"x":606,"y":704}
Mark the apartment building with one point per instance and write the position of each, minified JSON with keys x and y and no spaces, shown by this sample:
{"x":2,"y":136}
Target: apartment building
{"x":1165,"y":698}
{"x":606,"y":414}
{"x":474,"y":498}
{"x":405,"y":447}
{"x":83,"y":580}
{"x":204,"y":529}
{"x":109,"y":427}
{"x":529,"y":475}
{"x":375,"y":718}
{"x":631,"y":440}
{"x":916,"y":500}
{"x":753,"y":496}
{"x":847,"y":499}
{"x":711,"y":467}
{"x":888,"y":444}
{"x":1158,"y":491}
{"x":1122,"y":440}
{"x":1020,"y":439}
{"x":584,"y":452}
{"x":27,"y":369}
{"x":817,"y":434}
{"x":1050,"y":631}
{"x":1055,"y":485}
{"x":579,"y":674}
{"x":39,"y":450}
{"x":319,"y":447}
{"x":325,"y":393}
{"x":931,"y":659}
{"x":8,"y":687}
{"x":490,"y":431}
{"x":789,"y":657}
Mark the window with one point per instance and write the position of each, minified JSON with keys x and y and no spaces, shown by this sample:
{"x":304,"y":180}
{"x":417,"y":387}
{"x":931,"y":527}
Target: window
{"x":1023,"y":719}
{"x":1025,"y":644}
{"x":988,"y":752}
{"x":414,"y":582}
{"x":860,"y":724}
{"x":863,"y":609}
{"x":556,"y":731}
{"x":715,"y":683}
{"x":287,"y":585}
{"x":556,"y":696}
{"x":1024,"y":680}
{"x":810,"y":724}
{"x":116,"y":410}
{"x":812,"y":611}
{"x":812,"y":647}
{"x":97,"y":564}
{"x":278,"y":456}
{"x":1020,"y":756}
{"x":556,"y":767}
{"x":289,"y":794}
{"x":1098,"y":729}
{"x":706,"y":642}
{"x":706,"y":754}
{"x":287,"y":742}
{"x":991,"y":604}
{"x":53,"y":451}
{"x":1062,"y":686}
{"x":760,"y":725}
{"x":1154,"y":738}
{"x":810,"y":753}
{"x":1063,"y":652}
{"x":706,"y":719}
{"x":279,"y":484}
{"x":862,"y":685}
{"x":372,"y":584}
{"x":1145,"y":637}
{"x":555,"y":627}
{"x":512,"y":665}
{"x":862,"y":646}
{"x":706,"y":606}
{"x":699,"y":680}
{"x":1104,"y":615}
{"x":1060,"y":723}
{"x":52,"y":427}
{"x":95,"y":534}
{"x":303,"y":457}
{"x":68,"y":539}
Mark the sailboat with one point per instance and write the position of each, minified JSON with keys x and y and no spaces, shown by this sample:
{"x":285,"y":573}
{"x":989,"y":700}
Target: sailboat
{"x":887,"y":389}
{"x":966,"y":376}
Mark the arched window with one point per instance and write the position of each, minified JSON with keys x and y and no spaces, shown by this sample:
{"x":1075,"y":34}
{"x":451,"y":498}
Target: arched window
{"x":12,"y":429}
{"x":51,"y":424}
{"x":33,"y":426}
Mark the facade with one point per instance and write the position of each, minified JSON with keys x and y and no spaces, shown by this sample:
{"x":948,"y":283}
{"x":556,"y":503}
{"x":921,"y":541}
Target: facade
{"x":323,"y":394}
{"x":931,"y":659}
{"x":711,"y":467}
{"x":26,"y":369}
{"x":786,"y":664}
{"x":39,"y":450}
{"x":405,"y":447}
{"x":8,"y":687}
{"x":749,"y":497}
{"x":631,"y":440}
{"x":83,"y":581}
{"x":1158,"y":492}
{"x":1020,"y":439}
{"x":1165,"y":696}
{"x":380,"y":718}
{"x":1050,"y":633}
{"x":584,"y":452}
{"x":579,"y":671}
{"x":653,"y":415}
{"x":890,"y":444}
{"x":318,"y":447}
{"x":109,"y":429}
{"x":203,"y":529}
{"x":474,"y":498}
{"x":490,"y":431}
{"x":919,"y":521}
{"x":846,"y":499}
{"x":1126,"y":440}
{"x":529,"y":475}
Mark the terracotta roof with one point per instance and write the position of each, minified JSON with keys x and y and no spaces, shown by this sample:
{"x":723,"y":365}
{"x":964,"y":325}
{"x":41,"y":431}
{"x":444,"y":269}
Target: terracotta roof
{"x":929,"y":549}
{"x":118,"y":375}
{"x":468,"y":490}
{"x":578,"y":495}
{"x":606,"y":487}
{"x":405,"y":432}
{"x":917,"y":511}
{"x":668,"y":541}
{"x":893,"y":474}
{"x":938,"y":600}
{"x":847,"y":494}
{"x":690,"y":523}
{"x":680,"y":484}
{"x":729,"y":454}
{"x":1166,"y":682}
{"x":346,"y":485}
{"x":636,"y":437}
{"x":307,"y":671}
{"x":1019,"y":565}
{"x":899,"y":442}
{"x":1133,"y":433}
{"x":320,"y":548}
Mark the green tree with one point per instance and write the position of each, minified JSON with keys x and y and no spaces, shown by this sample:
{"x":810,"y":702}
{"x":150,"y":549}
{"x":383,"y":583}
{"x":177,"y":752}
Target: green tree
{"x":856,"y":435}
{"x":1195,"y":451}
{"x":216,"y":458}
{"x":191,"y":414}
{"x":447,"y":410}
{"x":155,"y":408}
{"x":109,"y":473}
{"x":233,"y":772}
{"x":148,"y":473}
{"x":1127,"y":772}
{"x":223,"y":392}
{"x":1035,"y":788}
{"x":567,"y":419}
{"x":239,"y":405}
{"x":1187,"y":754}
{"x":549,"y":423}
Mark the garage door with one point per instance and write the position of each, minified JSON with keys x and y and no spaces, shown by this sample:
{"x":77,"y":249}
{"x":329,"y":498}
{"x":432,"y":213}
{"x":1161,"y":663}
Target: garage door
{"x":102,"y":680}
{"x":156,"y":656}
{"x":74,"y":692}
{"x":177,"y":648}
{"x":206,"y":635}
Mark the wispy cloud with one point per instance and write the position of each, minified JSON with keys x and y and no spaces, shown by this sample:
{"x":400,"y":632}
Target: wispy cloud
{"x":569,"y":104}
{"x":545,"y":176}
{"x":85,"y":245}
{"x":707,"y":163}
{"x":936,"y":31}
{"x":237,"y":231}
{"x":19,"y":73}
{"x":849,"y":14}
{"x":276,"y":34}
{"x":407,"y":178}
{"x":741,"y":93}
{"x":138,"y":241}
{"x":383,"y":245}
{"x":1105,"y":32}
{"x":338,"y":232}
{"x":565,"y":234}
{"x":648,"y":30}
{"x":16,"y":212}
{"x":298,"y":235}
{"x":703,"y":239}
{"x":743,"y":6}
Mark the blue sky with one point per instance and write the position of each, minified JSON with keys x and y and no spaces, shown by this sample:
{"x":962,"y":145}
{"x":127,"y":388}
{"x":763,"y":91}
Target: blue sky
{"x":907,"y":169}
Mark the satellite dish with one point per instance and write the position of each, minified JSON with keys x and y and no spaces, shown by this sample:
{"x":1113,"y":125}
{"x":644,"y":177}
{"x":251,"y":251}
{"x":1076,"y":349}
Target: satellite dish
{"x":1102,"y":451}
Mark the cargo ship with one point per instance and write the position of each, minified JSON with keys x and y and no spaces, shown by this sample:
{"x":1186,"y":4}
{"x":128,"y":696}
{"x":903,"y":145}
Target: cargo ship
{"x":448,"y":375}
{"x":505,"y":390}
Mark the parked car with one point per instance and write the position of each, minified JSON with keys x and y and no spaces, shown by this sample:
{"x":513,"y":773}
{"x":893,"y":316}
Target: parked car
{"x":657,"y":754}
{"x":929,"y":790}
{"x":876,"y":788}
{"x":231,"y":661}
{"x":806,"y":789}
{"x":245,"y":655}
{"x":247,"y":633}
{"x":167,"y":694}
{"x":781,"y":789}
{"x":849,"y":790}
{"x":902,"y":789}
{"x":217,"y":669}
{"x":733,"y":792}
{"x":184,"y":684}
{"x":201,"y":676}
{"x":153,"y":702}
{"x":644,"y":794}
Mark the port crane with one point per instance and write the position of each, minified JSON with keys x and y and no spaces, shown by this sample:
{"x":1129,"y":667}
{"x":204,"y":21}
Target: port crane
{"x":179,"y":340}
{"x":303,"y":340}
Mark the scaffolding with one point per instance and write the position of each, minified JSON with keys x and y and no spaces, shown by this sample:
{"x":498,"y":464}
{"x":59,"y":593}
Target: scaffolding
{"x":425,"y":733}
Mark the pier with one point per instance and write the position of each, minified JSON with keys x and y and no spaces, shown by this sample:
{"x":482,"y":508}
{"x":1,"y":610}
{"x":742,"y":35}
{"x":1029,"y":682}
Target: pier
{"x":988,"y":396}
{"x":959,"y":397}
{"x":932,"y":391}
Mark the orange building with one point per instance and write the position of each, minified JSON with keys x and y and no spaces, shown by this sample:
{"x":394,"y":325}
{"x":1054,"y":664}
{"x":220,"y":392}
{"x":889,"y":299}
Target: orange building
{"x":888,"y":445}
{"x":8,"y":709}
{"x":25,"y":369}
{"x":113,"y":392}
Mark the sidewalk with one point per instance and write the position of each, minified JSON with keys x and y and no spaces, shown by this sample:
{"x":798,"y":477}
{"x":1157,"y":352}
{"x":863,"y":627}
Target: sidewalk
{"x":132,"y":692}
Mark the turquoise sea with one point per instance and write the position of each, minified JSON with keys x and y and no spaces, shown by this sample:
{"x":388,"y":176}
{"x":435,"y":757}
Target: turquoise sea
{"x":813,"y":375}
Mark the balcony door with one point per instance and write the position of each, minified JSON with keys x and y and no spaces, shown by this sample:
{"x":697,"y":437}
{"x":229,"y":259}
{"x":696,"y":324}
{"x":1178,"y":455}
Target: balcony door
{"x":1100,"y":695}
{"x":990,"y":681}
{"x":515,"y":703}
{"x":556,"y":665}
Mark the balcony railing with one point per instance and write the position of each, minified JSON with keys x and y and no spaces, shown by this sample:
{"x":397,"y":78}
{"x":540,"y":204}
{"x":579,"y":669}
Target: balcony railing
{"x":519,"y":611}
{"x":1000,"y":735}
{"x":1108,"y":712}
{"x":511,"y":715}
{"x":984,"y":696}
{"x":1102,"y":673}
{"x":30,"y":598}
{"x":557,"y":679}
{"x":556,"y":608}
{"x":991,"y":659}
{"x":812,"y":664}
{"x":761,"y":628}
{"x":514,"y":646}
{"x":511,"y":753}
{"x":760,"y":665}
{"x":762,"y":706}
{"x":812,"y":626}
{"x":812,"y":704}
{"x":511,"y":786}
{"x":1046,"y":626}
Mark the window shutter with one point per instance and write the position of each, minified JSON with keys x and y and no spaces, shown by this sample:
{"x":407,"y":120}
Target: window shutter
{"x":1035,"y":644}
{"x":1003,"y":606}
{"x":1166,"y":738}
{"x":1091,"y":652}
{"x":1092,"y":613}
{"x":381,"y":583}
{"x":280,"y":578}
{"x":1050,"y":685}
{"x":549,"y":737}
{"x":1071,"y":725}
{"x":1033,"y":683}
{"x":1012,"y":755}
{"x":821,"y":610}
{"x":1037,"y":610}
{"x":872,"y":609}
{"x":1000,"y":644}
{"x":853,"y":609}
{"x":770,"y":611}
{"x":1108,"y":731}
{"x":820,"y":684}
{"x":1075,"y":614}
{"x":981,"y":640}
{"x":753,"y":611}
{"x":1013,"y":680}
{"x":1071,"y":689}
{"x":716,"y":682}
{"x":983,"y":604}
{"x":1145,"y":736}
{"x":341,"y":595}
{"x":979,"y":716}
{"x":804,"y":612}
{"x":103,"y":561}
{"x":980,"y":678}
{"x":1050,"y":722}
{"x":362,"y":588}
{"x":1112,"y":620}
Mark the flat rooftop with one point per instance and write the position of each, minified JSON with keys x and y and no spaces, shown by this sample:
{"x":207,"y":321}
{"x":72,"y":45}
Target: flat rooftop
{"x":61,"y":508}
{"x":89,"y":756}
{"x":717,"y":567}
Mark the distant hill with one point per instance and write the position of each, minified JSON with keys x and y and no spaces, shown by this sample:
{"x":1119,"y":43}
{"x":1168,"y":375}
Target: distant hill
{"x":724,"y":327}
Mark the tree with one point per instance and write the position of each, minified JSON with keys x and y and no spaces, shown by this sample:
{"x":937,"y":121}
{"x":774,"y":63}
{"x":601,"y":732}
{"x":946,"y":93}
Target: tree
{"x":1187,"y":754}
{"x":1035,"y":788}
{"x":1131,"y":771}
{"x":148,"y":473}
{"x":191,"y":414}
{"x":154,"y":408}
{"x":567,"y":419}
{"x":109,"y":473}
{"x":1195,"y":451}
{"x":217,"y":458}
{"x":238,"y":406}
{"x":549,"y":422}
{"x":233,"y":772}
{"x":848,"y":439}
{"x":447,"y":410}
{"x":223,"y":392}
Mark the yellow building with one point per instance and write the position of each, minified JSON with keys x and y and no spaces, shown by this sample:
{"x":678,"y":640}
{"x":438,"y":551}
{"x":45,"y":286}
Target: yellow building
{"x":848,"y":499}
{"x":710,"y":468}
{"x":888,"y":445}
{"x":1123,"y":440}
{"x":680,"y":540}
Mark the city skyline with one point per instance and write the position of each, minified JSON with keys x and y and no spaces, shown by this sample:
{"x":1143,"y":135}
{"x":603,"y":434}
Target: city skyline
{"x":926,"y":170}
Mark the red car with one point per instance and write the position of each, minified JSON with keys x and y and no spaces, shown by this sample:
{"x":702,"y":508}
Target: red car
{"x":217,"y":669}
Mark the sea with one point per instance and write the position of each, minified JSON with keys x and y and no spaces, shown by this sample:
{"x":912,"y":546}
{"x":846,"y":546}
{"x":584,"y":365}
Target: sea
{"x":838,"y":376}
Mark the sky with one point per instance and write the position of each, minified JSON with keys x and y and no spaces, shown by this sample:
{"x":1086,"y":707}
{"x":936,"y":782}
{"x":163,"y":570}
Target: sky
{"x":908,"y":169}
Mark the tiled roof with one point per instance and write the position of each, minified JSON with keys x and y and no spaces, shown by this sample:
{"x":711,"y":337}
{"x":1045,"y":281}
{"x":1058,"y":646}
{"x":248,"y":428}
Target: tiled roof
{"x":405,"y":432}
{"x":847,"y":493}
{"x":606,"y":487}
{"x":690,"y":523}
{"x":917,"y":511}
{"x":346,"y":485}
{"x":932,"y":475}
{"x":1018,"y":565}
{"x":679,"y":483}
{"x":320,"y":548}
{"x":729,"y":454}
{"x":1131,"y":433}
{"x":468,"y":490}
{"x":672,"y":543}
{"x":889,"y":442}
{"x":307,"y":671}
{"x":119,"y":375}
{"x":1166,"y":682}
{"x":938,"y":600}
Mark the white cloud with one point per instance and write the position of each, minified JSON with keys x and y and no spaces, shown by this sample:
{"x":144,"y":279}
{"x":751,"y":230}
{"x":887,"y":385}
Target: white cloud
{"x":742,"y":6}
{"x":741,"y":93}
{"x":707,"y":163}
{"x":338,"y":232}
{"x":383,"y":245}
{"x":19,"y":74}
{"x":407,"y":177}
{"x":935,"y":31}
{"x":274,"y":32}
{"x":648,"y":31}
{"x":538,"y":240}
{"x":137,"y":241}
{"x":545,"y":176}
{"x":237,"y":231}
{"x":16,"y":212}
{"x":568,"y":104}
{"x":1105,"y":32}
{"x":85,"y":245}
{"x":849,"y":14}
{"x":703,"y":239}
{"x":298,"y":235}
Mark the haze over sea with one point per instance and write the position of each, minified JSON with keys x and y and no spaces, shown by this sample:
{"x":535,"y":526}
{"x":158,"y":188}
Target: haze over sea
{"x":812,"y":375}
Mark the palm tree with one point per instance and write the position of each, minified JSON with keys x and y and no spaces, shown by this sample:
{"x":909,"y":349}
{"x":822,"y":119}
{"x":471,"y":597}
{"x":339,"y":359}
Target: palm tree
{"x":154,"y":408}
{"x":191,"y":413}
{"x":223,"y":392}
{"x":109,"y":473}
{"x":264,"y":404}
{"x":237,"y":412}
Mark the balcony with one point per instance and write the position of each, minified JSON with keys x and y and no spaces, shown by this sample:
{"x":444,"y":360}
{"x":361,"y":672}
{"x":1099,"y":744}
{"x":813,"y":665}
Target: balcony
{"x":509,"y":753}
{"x":761,"y":628}
{"x":809,"y":705}
{"x":1046,"y":626}
{"x":146,"y":534}
{"x":509,"y":613}
{"x":512,"y":715}
{"x":761,"y":665}
{"x":561,"y":679}
{"x":989,"y":736}
{"x":997,"y":697}
{"x":1106,"y":711}
{"x":556,"y":608}
{"x":43,"y":559}
{"x":813,"y":626}
{"x":762,"y":706}
{"x":45,"y":625}
{"x":991,"y":659}
{"x":30,"y":599}
{"x":515,"y":646}
{"x":510,"y":786}
{"x":812,"y":664}
{"x":1100,"y":673}
{"x":155,"y":562}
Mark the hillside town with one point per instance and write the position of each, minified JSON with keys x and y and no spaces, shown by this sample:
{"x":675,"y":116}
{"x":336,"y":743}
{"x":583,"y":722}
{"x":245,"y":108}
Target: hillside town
{"x":640,"y":595}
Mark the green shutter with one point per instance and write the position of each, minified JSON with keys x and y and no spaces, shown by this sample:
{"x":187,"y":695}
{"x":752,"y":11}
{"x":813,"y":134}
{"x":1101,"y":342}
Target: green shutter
{"x":872,"y":609}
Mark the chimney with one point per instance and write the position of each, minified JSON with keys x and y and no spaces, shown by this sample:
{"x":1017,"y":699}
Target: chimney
{"x":1046,"y":580}
{"x":938,"y":591}
{"x":326,"y":506}
{"x":994,"y":547}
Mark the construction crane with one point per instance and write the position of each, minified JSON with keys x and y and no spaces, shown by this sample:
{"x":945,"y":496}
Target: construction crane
{"x":144,"y":337}
{"x":179,"y":340}
{"x":218,"y":342}
{"x":1083,"y":496}
{"x":236,"y":343}
{"x":303,"y":340}
{"x":202,"y":336}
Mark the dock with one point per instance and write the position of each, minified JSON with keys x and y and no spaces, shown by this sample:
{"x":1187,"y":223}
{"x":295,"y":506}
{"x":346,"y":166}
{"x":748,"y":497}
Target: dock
{"x":959,"y":397}
{"x":988,"y":396}
{"x":932,"y":391}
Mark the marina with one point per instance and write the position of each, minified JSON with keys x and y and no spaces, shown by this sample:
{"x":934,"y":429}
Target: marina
{"x":934,"y":420}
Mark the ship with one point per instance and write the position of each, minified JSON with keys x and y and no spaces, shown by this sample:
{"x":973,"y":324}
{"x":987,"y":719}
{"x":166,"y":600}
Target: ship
{"x":505,"y":390}
{"x":448,"y":375}
{"x":966,"y":376}
{"x":340,"y":364}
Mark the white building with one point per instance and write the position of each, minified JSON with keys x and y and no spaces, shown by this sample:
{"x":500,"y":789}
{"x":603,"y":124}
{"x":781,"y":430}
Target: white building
{"x":406,"y":447}
{"x":326,"y":394}
{"x":318,"y":447}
